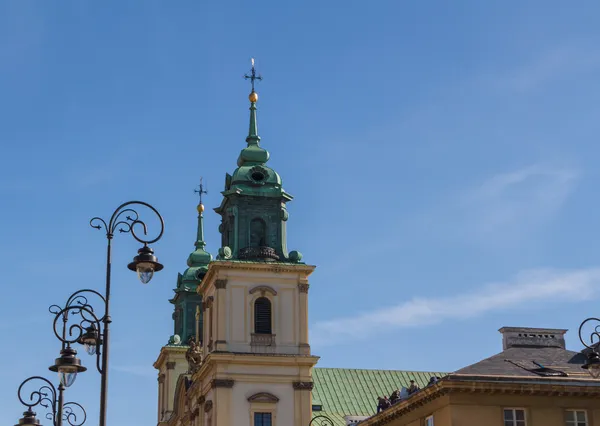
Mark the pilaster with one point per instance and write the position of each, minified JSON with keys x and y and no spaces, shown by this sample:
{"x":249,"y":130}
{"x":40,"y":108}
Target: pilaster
{"x":303,"y":346}
{"x":221,"y":314}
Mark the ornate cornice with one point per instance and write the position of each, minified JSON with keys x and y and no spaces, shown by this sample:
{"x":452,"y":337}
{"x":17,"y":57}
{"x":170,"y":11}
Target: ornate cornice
{"x":170,"y":365}
{"x":446,"y":387}
{"x":215,"y":266}
{"x":263,"y":289}
{"x":220,"y":284}
{"x":303,"y":385}
{"x":263,"y":397}
{"x":208,"y":405}
{"x":222,"y":383}
{"x":303,"y":287}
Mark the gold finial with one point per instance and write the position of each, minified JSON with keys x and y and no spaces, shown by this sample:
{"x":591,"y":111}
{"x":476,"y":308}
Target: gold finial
{"x":253,"y":97}
{"x":200,"y":208}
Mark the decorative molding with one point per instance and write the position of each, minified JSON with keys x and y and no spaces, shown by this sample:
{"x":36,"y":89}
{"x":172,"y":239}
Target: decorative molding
{"x":161,"y":378}
{"x":208,"y":405}
{"x":170,"y":365}
{"x":220,"y":284}
{"x":204,"y":306}
{"x":303,"y":288}
{"x":303,"y":385}
{"x":259,"y":339}
{"x":201,"y":400}
{"x":263,"y":253}
{"x":220,"y":342}
{"x":263,"y":289}
{"x":222,"y":383}
{"x":209,"y":302}
{"x":263,"y":397}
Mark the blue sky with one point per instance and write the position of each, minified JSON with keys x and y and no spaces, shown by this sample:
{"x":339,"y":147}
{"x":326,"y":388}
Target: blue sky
{"x":443,"y":156}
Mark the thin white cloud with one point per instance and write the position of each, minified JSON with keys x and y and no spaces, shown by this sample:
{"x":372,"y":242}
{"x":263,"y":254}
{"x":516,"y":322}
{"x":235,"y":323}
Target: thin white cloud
{"x":526,"y":289}
{"x":513,"y":203}
{"x":564,"y":61}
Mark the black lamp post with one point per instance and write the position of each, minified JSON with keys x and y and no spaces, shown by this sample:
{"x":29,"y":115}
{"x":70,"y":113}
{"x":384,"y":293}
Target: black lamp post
{"x":593,"y":363}
{"x":50,"y":398}
{"x":321,"y":420}
{"x":89,"y":328}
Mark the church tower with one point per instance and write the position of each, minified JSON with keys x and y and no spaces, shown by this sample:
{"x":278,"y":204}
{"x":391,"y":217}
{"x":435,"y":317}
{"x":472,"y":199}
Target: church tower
{"x":187,"y":319}
{"x":254,"y":367}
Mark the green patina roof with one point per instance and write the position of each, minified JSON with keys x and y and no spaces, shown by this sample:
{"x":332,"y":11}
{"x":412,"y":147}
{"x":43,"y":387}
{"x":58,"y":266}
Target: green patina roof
{"x":350,"y":392}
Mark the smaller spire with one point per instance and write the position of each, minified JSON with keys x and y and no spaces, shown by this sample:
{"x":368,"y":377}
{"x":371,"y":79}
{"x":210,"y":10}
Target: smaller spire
{"x":200,"y":243}
{"x":253,"y":138}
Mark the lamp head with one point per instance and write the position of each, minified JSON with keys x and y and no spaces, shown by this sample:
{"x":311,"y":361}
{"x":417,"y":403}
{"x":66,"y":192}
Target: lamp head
{"x":593,"y":364}
{"x":28,"y":419}
{"x":145,"y":264}
{"x":90,"y":339}
{"x":67,"y":366}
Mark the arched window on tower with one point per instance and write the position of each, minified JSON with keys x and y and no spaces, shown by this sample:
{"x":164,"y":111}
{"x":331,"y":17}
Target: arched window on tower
{"x":262,"y":316}
{"x":258,"y":233}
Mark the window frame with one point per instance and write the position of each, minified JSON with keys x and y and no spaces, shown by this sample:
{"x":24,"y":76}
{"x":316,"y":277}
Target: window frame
{"x":263,"y":407}
{"x":514,"y":420}
{"x":272,"y":314}
{"x":261,"y":412}
{"x":427,"y":419}
{"x":576,"y":410}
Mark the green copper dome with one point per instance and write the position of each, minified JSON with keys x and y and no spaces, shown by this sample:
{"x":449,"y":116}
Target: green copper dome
{"x":199,"y":259}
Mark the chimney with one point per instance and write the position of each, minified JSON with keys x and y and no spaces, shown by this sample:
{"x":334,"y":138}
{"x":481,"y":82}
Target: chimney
{"x":519,"y":337}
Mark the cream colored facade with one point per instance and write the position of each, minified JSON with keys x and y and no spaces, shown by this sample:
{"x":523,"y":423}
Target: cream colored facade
{"x":242,"y":372}
{"x":454,"y":402}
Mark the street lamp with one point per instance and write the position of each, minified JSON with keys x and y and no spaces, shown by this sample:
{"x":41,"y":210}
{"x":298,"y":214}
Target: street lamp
{"x":593,"y":358}
{"x":80,"y":322}
{"x":48,"y":397}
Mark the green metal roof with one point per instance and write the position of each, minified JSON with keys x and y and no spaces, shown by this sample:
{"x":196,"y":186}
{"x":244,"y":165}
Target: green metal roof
{"x":350,"y":392}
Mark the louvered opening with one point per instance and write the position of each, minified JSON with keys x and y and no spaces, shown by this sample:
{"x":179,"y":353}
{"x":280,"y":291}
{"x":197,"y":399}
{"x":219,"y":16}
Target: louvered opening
{"x":262,"y":316}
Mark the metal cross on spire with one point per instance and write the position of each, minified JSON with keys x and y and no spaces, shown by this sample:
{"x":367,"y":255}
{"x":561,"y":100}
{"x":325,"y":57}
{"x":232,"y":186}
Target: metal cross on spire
{"x":201,"y":189}
{"x":253,"y":75}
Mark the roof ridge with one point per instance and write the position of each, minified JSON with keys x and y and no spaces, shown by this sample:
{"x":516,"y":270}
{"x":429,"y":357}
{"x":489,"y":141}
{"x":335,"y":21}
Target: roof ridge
{"x":376,"y":369}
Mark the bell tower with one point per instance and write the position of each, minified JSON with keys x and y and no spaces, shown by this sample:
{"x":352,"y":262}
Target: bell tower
{"x":172,"y":363}
{"x":253,"y":211}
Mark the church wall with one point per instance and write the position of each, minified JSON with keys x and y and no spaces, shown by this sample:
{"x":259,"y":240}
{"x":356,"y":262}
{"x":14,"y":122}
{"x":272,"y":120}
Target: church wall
{"x":287,"y":317}
{"x":238,"y":306}
{"x":241,"y":291}
{"x":283,"y":410}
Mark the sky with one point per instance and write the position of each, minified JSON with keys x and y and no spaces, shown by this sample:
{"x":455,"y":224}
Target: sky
{"x":442,"y":156}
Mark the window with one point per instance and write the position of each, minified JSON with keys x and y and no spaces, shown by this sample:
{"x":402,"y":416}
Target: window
{"x":262,"y":316}
{"x":262,"y":419}
{"x":514,"y":417}
{"x":576,"y":418}
{"x":429,"y":421}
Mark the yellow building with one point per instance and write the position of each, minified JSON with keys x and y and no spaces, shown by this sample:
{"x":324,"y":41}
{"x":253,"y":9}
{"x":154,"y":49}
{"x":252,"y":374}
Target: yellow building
{"x":534,"y":381}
